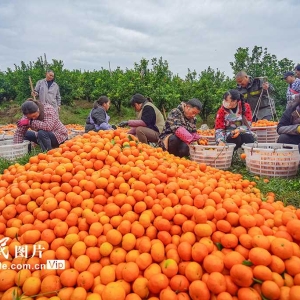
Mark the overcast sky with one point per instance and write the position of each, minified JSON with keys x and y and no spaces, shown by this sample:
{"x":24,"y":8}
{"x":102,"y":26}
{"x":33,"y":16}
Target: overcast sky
{"x":193,"y":34}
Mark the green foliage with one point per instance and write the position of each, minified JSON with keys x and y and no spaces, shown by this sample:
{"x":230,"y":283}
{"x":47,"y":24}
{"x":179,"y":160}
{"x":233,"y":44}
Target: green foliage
{"x":150,"y":78}
{"x":209,"y":88}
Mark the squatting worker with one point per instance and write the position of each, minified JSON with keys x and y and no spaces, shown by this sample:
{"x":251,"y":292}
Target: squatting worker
{"x":47,"y":91}
{"x":288,"y":127}
{"x":149,"y":122}
{"x":180,"y":128}
{"x":46,"y":128}
{"x":255,"y":90}
{"x":98,"y":119}
{"x":233,"y":120}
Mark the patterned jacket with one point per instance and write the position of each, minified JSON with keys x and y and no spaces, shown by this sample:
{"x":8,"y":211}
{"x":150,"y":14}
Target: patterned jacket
{"x":51,"y":123}
{"x":227,"y":120}
{"x":175,"y":120}
{"x":292,"y":89}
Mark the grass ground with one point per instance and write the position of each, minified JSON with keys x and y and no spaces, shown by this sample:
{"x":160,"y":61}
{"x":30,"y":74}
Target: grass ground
{"x":286,"y":190}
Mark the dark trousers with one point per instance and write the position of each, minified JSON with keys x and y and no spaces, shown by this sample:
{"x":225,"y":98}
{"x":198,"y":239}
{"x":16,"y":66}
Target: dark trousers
{"x":240,"y":140}
{"x":177,"y":147}
{"x":289,"y":139}
{"x":46,"y":139}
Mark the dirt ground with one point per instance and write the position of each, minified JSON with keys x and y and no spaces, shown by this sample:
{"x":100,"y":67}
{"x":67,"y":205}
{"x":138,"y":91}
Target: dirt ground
{"x":9,"y":114}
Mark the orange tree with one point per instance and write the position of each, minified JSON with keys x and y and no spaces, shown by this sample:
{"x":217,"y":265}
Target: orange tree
{"x":208,"y":87}
{"x":153,"y":79}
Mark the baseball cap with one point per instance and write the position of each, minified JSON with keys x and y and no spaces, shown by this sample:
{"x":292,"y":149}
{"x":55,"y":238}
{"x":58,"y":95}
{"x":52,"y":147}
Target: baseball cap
{"x":286,"y":74}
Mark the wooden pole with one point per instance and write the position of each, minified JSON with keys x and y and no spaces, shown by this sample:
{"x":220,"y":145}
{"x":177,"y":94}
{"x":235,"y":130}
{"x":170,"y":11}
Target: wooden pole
{"x":164,"y":113}
{"x":31,"y":87}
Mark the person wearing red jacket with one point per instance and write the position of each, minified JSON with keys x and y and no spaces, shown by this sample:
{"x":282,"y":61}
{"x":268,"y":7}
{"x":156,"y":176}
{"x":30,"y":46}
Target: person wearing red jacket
{"x":233,"y":120}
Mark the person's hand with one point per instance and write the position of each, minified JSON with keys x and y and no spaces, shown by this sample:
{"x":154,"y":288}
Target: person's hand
{"x":265,"y":85}
{"x":23,"y":122}
{"x":123,"y":124}
{"x":242,"y":129}
{"x":221,"y":143}
{"x":235,"y":133}
{"x":34,"y":94}
{"x":114,"y":127}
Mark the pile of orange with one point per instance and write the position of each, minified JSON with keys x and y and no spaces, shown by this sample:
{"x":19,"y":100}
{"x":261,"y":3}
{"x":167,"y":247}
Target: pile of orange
{"x":8,"y":129}
{"x":264,"y":123}
{"x":75,"y":127}
{"x":207,"y":132}
{"x":133,"y":222}
{"x":202,"y":141}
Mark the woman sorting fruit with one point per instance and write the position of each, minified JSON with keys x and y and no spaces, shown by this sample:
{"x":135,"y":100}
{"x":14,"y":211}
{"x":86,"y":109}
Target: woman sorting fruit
{"x":233,"y":121}
{"x":149,"y":122}
{"x":288,"y":127}
{"x":46,"y":128}
{"x":98,"y":118}
{"x":180,"y":128}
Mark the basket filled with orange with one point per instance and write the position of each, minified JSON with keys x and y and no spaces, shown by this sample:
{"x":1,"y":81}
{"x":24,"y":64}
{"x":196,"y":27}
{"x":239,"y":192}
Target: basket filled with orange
{"x":266,"y":131}
{"x":74,"y":130}
{"x":208,"y":135}
{"x":7,"y":131}
{"x":272,"y":160}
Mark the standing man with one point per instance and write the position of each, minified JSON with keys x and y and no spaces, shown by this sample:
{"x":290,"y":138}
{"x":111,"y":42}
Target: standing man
{"x":256,"y":93}
{"x":48,"y":91}
{"x":293,"y":86}
{"x":297,"y":71}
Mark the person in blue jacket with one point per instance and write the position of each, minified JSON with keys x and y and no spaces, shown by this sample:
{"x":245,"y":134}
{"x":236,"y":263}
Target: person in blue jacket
{"x":98,"y":119}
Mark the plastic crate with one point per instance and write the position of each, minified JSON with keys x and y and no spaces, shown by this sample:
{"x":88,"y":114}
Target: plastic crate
{"x":77,"y":132}
{"x":74,"y":133}
{"x":71,"y":135}
{"x":272,"y":160}
{"x":6,"y":137}
{"x":10,"y":151}
{"x":266,"y":134}
{"x":219,"y":157}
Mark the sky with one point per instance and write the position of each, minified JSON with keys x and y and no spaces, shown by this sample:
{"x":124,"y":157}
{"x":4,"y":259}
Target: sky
{"x":193,"y":34}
